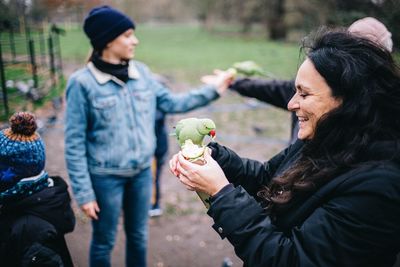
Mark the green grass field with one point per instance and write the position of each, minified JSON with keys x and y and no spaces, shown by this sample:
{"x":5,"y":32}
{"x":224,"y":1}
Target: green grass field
{"x":18,"y":101}
{"x":186,"y":52}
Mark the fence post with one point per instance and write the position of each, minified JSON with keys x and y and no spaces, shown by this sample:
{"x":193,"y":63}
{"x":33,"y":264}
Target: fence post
{"x":33,"y":63}
{"x":51,"y":58}
{"x":28,"y":39}
{"x":42,"y":47}
{"x":3,"y":83}
{"x":60,"y":67}
{"x":12,"y":44}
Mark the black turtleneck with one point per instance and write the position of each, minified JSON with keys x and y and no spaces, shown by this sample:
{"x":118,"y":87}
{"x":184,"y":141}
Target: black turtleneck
{"x":118,"y":70}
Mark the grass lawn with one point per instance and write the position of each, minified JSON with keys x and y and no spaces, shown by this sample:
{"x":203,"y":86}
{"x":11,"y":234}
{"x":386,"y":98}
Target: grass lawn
{"x":186,"y":52}
{"x":18,"y":101}
{"x":17,"y":69}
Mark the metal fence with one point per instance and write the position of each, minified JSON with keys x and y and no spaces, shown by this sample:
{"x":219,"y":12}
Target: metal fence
{"x":30,"y":65}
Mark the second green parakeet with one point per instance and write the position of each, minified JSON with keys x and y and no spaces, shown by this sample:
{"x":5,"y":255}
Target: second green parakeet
{"x":248,"y":68}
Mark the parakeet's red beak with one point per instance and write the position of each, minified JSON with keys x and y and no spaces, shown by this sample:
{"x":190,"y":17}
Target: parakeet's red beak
{"x":212,"y":133}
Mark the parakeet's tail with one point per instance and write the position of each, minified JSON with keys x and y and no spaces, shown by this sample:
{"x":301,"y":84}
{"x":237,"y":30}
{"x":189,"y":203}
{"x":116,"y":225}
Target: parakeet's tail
{"x":267,"y":74}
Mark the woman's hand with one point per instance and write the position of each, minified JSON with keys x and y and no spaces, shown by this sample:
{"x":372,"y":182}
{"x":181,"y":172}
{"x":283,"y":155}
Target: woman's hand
{"x":220,"y":79}
{"x":208,"y":178}
{"x":91,"y":209}
{"x":173,"y":165}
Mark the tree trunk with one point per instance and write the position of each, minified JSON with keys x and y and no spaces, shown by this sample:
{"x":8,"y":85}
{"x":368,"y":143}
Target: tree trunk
{"x":276,"y":19}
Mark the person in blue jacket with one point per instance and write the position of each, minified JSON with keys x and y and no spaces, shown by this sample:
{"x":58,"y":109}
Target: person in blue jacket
{"x":333,"y":197}
{"x":109,"y":133}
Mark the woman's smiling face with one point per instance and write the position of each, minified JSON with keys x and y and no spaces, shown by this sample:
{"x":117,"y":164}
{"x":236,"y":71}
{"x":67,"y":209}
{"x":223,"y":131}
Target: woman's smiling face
{"x":312,"y":100}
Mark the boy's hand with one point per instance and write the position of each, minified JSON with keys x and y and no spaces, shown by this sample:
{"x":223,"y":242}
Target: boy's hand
{"x":91,"y":209}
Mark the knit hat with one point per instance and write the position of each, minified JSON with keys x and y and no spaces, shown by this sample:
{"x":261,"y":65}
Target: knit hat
{"x":103,"y":24}
{"x":374,"y":30}
{"x":22,"y":151}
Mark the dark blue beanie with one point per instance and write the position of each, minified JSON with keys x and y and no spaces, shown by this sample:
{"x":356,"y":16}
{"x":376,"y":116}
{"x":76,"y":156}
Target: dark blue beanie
{"x":103,"y":24}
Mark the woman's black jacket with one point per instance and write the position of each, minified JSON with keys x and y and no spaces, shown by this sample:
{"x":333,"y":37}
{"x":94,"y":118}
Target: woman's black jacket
{"x":352,"y":220}
{"x":32,"y":229}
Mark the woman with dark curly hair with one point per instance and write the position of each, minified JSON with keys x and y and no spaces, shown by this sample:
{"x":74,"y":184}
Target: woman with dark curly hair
{"x":333,"y":197}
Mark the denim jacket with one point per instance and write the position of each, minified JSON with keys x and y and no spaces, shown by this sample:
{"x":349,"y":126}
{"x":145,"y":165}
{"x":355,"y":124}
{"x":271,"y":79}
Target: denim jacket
{"x":109,"y":124}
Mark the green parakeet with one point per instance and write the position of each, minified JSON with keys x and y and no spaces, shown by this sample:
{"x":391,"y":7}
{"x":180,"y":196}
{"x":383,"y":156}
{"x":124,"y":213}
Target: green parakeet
{"x":194,"y":129}
{"x":190,"y":134}
{"x":247,"y":68}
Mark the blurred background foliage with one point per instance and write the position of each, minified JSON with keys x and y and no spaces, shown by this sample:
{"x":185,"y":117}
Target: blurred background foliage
{"x":190,"y":37}
{"x":274,"y":19}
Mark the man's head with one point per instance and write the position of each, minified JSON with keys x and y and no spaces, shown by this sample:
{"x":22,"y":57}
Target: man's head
{"x":374,"y":30}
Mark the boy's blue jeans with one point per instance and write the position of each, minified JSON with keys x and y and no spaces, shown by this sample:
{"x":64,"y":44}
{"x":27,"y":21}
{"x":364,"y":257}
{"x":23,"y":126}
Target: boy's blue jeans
{"x":132,"y":195}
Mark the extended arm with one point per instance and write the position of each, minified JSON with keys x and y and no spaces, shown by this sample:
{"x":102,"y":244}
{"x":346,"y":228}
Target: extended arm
{"x":274,"y":92}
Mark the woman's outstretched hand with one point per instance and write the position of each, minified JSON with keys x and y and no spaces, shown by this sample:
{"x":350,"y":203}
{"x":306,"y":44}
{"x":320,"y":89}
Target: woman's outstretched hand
{"x":221,"y":79}
{"x":208,"y":178}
